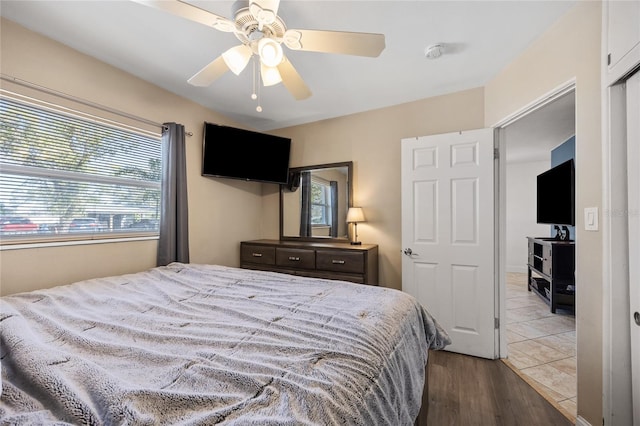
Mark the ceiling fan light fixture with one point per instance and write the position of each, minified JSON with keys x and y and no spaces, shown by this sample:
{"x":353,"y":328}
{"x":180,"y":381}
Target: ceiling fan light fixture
{"x":270,"y":52}
{"x":270,"y":75}
{"x":261,"y":32}
{"x":237,"y":58}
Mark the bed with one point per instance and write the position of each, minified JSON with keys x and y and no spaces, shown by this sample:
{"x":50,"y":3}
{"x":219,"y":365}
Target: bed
{"x":206,"y":344}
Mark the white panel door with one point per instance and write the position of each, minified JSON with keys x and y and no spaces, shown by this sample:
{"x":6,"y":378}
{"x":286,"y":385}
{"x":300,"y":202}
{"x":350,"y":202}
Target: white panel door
{"x":633,"y":188}
{"x":448,"y":234}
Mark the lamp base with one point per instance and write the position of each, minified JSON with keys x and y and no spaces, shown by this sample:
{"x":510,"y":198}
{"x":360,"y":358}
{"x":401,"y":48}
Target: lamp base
{"x":356,"y":243}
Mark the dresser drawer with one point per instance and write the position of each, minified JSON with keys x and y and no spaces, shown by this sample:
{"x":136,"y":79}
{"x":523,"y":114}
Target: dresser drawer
{"x":329,"y":260}
{"x":297,"y":258}
{"x":340,"y":261}
{"x":258,"y":254}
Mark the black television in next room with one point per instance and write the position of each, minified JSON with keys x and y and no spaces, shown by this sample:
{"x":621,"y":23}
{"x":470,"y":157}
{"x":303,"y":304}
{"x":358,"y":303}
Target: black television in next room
{"x":233,"y":153}
{"x":556,"y":195}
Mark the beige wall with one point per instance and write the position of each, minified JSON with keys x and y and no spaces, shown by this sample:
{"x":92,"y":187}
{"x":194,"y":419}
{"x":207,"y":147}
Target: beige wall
{"x":221,"y":212}
{"x":372,"y":141}
{"x":570,"y":50}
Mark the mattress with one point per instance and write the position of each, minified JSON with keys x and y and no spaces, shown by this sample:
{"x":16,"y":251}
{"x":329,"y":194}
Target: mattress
{"x":206,"y":344}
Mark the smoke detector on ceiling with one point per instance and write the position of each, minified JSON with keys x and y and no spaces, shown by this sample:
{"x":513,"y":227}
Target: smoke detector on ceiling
{"x":434,"y":51}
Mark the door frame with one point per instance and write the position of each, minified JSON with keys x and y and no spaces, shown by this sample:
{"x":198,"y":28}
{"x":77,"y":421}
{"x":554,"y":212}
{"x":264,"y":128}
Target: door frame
{"x":616,"y":341}
{"x":501,"y":200}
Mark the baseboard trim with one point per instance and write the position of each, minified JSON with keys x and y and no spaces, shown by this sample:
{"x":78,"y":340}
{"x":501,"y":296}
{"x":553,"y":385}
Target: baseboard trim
{"x":582,"y":422}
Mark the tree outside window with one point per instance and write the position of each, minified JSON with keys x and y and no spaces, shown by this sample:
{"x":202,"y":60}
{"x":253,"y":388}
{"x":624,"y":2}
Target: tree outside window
{"x":60,"y":173}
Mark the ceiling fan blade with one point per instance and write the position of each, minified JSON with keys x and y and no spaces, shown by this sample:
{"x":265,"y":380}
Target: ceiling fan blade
{"x":192,"y":13}
{"x":359,"y":44}
{"x":265,"y":11}
{"x":293,"y":81}
{"x":209,"y":73}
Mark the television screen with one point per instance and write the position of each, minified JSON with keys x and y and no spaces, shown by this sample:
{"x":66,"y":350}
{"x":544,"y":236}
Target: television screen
{"x":242,"y":154}
{"x":556,"y":195}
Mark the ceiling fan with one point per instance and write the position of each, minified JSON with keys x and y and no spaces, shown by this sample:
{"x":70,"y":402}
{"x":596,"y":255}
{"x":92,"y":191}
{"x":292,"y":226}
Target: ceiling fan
{"x":261,"y":32}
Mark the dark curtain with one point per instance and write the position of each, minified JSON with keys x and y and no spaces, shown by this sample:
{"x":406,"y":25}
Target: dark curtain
{"x":305,"y":205}
{"x":333,"y":185}
{"x":294,"y":181}
{"x":173,"y":245}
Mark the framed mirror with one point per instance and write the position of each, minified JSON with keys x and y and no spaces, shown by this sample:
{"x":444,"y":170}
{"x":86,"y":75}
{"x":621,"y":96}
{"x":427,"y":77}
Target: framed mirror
{"x":314,"y":205}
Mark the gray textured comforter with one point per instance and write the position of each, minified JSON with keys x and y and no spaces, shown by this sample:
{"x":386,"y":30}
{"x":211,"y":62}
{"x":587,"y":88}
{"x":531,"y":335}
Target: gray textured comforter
{"x":202,"y":345}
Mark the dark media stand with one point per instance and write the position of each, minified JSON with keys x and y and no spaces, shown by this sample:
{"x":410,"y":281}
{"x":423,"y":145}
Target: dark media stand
{"x":551,"y":266}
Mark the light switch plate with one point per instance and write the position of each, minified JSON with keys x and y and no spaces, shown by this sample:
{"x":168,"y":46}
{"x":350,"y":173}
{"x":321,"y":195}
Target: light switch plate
{"x":591,"y":219}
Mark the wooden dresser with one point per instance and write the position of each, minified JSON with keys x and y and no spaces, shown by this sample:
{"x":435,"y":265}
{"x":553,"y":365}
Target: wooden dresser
{"x":337,"y":261}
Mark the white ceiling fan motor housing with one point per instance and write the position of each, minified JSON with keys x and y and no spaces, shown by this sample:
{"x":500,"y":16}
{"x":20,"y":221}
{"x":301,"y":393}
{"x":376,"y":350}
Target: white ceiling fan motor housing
{"x":250,"y":32}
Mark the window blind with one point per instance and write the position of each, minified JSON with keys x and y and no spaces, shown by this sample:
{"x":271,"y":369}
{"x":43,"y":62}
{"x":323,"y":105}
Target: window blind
{"x":63,"y":175}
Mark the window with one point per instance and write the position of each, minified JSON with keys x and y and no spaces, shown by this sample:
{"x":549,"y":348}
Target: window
{"x":66,"y":177}
{"x":320,"y":202}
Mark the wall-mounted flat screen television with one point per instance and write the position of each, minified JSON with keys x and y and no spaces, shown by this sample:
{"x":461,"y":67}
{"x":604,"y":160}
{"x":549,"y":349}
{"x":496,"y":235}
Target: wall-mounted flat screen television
{"x":556,"y":195}
{"x":233,"y":153}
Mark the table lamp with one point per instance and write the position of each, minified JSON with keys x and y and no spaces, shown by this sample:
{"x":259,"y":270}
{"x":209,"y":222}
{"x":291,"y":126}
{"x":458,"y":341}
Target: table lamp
{"x":355,"y":215}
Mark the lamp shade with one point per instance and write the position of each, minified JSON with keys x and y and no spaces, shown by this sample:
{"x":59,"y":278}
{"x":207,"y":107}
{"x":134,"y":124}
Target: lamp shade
{"x":270,"y":52}
{"x":355,"y":215}
{"x":270,"y":75}
{"x":237,"y":58}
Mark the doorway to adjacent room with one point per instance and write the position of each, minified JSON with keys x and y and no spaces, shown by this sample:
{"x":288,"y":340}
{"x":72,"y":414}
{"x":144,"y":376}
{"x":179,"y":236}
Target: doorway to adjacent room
{"x":540,"y":345}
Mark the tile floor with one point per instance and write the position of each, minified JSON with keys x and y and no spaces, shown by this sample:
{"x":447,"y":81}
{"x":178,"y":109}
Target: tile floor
{"x":541,"y":345}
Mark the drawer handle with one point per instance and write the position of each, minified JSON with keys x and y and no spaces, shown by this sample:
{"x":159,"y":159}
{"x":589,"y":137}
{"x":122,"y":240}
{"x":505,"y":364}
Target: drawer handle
{"x":294,"y":259}
{"x":337,"y":262}
{"x":256,"y":254}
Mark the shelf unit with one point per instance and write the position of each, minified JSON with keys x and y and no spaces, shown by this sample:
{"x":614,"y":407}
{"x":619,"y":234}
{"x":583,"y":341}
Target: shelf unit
{"x":551,"y":271}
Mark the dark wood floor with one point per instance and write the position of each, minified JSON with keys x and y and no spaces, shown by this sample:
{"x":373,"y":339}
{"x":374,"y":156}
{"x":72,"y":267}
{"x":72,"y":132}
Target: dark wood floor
{"x":465,"y":390}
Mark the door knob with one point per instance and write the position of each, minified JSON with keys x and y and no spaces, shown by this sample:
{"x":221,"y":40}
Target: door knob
{"x":636,"y":317}
{"x":409,"y":252}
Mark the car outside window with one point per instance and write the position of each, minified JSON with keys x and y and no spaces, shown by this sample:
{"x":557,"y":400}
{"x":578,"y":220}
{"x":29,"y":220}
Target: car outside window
{"x":62,"y":175}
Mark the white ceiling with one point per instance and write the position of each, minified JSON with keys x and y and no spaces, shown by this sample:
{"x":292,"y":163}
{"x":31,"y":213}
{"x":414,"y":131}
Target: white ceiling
{"x":480,"y":37}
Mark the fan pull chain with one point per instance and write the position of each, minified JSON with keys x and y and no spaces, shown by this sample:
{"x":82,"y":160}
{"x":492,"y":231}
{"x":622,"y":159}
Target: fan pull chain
{"x":258,"y":108}
{"x":255,"y":95}
{"x":253,"y":66}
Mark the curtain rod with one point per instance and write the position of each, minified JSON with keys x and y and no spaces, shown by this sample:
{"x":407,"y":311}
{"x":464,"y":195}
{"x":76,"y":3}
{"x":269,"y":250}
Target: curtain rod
{"x":186,"y":133}
{"x":76,"y":99}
